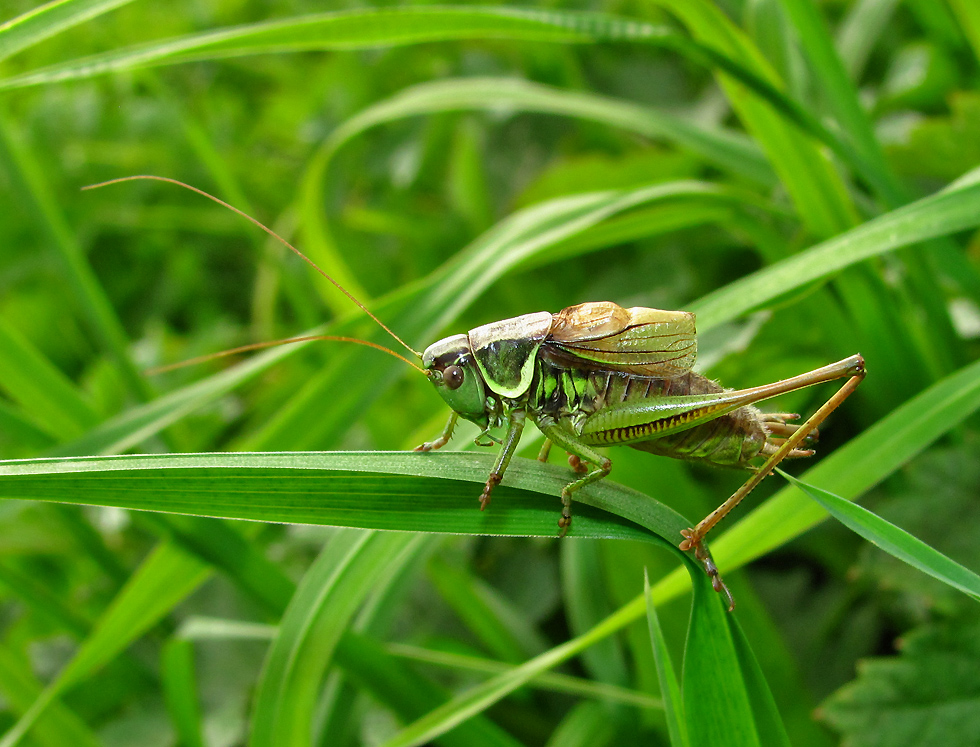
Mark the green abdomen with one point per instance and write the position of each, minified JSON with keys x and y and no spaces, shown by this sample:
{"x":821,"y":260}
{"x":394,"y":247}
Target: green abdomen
{"x":569,"y":396}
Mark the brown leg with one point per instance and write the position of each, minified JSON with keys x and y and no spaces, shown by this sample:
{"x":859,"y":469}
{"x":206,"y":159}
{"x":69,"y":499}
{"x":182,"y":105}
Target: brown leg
{"x":694,"y":538}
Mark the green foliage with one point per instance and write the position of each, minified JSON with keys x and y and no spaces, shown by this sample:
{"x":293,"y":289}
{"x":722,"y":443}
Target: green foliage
{"x":926,"y":696}
{"x":204,"y":556}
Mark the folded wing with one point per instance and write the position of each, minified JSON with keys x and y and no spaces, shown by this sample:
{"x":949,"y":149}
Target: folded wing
{"x":640,"y":341}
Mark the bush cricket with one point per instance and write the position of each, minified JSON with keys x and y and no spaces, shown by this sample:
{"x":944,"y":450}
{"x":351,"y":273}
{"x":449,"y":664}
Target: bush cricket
{"x":596,"y":375}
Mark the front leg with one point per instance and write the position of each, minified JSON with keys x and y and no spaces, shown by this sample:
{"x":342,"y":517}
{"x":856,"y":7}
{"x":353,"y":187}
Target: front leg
{"x":515,"y":426}
{"x":443,"y":438}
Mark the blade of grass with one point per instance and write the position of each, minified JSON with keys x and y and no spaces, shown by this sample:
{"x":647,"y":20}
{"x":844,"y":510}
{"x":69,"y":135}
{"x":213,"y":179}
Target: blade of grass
{"x":670,"y":689}
{"x":377,"y":490}
{"x":728,"y":150}
{"x":968,"y":14}
{"x":558,"y":683}
{"x":180,"y":691}
{"x":325,"y":601}
{"x":49,"y":19}
{"x":21,"y":688}
{"x":41,"y":389}
{"x":717,"y":704}
{"x":950,"y":210}
{"x":29,"y":180}
{"x":166,"y":577}
{"x":893,"y":540}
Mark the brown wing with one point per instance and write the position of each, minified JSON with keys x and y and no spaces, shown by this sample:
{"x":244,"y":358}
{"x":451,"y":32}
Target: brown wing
{"x":641,"y":341}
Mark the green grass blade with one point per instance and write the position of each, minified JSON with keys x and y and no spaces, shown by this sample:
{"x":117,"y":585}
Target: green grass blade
{"x":325,"y":601}
{"x":817,"y":191}
{"x":180,"y":691}
{"x":49,"y":19}
{"x":768,"y":722}
{"x":948,"y":211}
{"x":968,"y":14}
{"x":717,"y":704}
{"x":724,"y":148}
{"x":353,"y":30}
{"x":558,"y":683}
{"x":893,"y":540}
{"x":165,"y":577}
{"x":30,"y":180}
{"x":408,"y":694}
{"x":21,"y":689}
{"x":371,"y":490}
{"x":670,"y":689}
{"x":41,"y":389}
{"x":840,"y":93}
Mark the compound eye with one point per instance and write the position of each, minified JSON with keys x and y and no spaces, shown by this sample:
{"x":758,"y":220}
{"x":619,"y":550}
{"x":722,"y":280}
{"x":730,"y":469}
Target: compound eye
{"x":452,"y":377}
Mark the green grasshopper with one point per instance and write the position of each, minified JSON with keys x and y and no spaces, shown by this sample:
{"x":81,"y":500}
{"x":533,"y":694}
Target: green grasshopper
{"x":598,"y":375}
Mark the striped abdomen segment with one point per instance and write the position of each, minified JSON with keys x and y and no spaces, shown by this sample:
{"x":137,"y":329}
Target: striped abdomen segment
{"x":687,"y":417}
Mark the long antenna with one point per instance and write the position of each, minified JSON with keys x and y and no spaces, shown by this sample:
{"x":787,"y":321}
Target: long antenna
{"x":273,"y":343}
{"x":269,"y":231}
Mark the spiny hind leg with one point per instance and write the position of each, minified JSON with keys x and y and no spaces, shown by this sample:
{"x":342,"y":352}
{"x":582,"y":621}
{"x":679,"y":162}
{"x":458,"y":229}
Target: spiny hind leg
{"x":694,"y":538}
{"x":583,"y":454}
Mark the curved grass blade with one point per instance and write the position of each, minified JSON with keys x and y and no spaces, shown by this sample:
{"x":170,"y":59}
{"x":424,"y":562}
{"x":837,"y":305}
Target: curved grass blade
{"x":49,"y":19}
{"x":670,"y":689}
{"x":29,"y":179}
{"x":717,"y":704}
{"x":353,"y":30}
{"x":370,"y":490}
{"x":558,"y":683}
{"x":728,"y":150}
{"x":955,"y":208}
{"x":893,"y":540}
{"x":325,"y":601}
{"x":166,"y":577}
{"x":398,"y":26}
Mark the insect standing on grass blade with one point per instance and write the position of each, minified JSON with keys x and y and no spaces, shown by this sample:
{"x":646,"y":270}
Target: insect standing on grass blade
{"x":596,"y":375}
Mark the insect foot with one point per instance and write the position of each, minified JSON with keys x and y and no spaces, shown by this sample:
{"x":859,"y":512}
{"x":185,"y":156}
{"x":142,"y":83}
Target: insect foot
{"x":702,"y":554}
{"x":492,"y":482}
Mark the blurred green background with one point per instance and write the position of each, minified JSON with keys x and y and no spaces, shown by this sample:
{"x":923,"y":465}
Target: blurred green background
{"x":388,"y":149}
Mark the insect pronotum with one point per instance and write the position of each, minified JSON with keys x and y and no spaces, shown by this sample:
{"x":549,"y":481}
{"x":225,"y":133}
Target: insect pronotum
{"x":596,"y":375}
